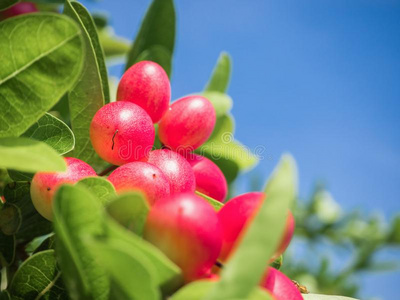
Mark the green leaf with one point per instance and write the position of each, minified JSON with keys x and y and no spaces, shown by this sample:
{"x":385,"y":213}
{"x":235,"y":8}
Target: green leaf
{"x":53,"y":132}
{"x":41,"y":60}
{"x":20,"y":176}
{"x":132,"y":273}
{"x":168,"y":275}
{"x":113,"y":45}
{"x":248,"y":263}
{"x":158,"y":28}
{"x":77,"y":215}
{"x":7,"y":249}
{"x":214,"y":203}
{"x":277,"y":263}
{"x":4,"y":4}
{"x":11,"y":218}
{"x":38,"y":277}
{"x":23,"y":154}
{"x":91,"y":91}
{"x":324,"y":297}
{"x":158,"y":54}
{"x":99,"y":187}
{"x":220,"y":77}
{"x":222,"y":102}
{"x":198,"y":290}
{"x":32,"y":224}
{"x":130,"y":210}
{"x":47,"y":244}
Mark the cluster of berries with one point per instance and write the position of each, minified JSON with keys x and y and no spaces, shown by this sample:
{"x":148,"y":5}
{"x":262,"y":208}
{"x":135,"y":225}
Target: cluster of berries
{"x":180,"y":223}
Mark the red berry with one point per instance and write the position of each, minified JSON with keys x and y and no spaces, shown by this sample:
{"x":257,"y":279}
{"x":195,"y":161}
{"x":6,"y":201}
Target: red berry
{"x":141,"y":176}
{"x":147,"y":85}
{"x":187,"y":230}
{"x":281,"y":287}
{"x":237,"y":214}
{"x":209,"y":178}
{"x":187,"y":124}
{"x":176,"y":168}
{"x":45,"y":184}
{"x":19,"y":9}
{"x":122,"y":132}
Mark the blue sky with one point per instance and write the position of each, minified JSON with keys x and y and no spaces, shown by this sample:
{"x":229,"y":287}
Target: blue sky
{"x":320,"y":79}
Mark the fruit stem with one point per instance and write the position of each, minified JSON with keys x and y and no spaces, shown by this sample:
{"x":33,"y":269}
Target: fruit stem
{"x":107,"y":170}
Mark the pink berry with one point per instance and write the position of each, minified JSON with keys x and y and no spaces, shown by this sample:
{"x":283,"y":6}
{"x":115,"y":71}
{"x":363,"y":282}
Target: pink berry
{"x":186,"y":228}
{"x":147,"y":85}
{"x":209,"y":178}
{"x":45,"y":184}
{"x":281,"y":287}
{"x":187,"y":124}
{"x":237,"y":214}
{"x":19,"y":9}
{"x":176,"y":168}
{"x":122,"y":132}
{"x":141,"y":176}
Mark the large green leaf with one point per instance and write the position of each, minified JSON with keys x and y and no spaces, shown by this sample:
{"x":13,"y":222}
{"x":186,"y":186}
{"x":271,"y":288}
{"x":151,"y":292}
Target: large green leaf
{"x":38,"y":278}
{"x":130,"y":210}
{"x":248,"y":263}
{"x":78,"y":215}
{"x":214,"y":203}
{"x":221,"y":75}
{"x":168,"y":275}
{"x":41,"y":59}
{"x":4,"y":4}
{"x":99,"y":187}
{"x":23,"y":154}
{"x":7,"y":249}
{"x":325,"y":297}
{"x":132,"y":273}
{"x":198,"y":290}
{"x":53,"y":132}
{"x":157,"y":29}
{"x":91,"y":91}
{"x":30,"y":223}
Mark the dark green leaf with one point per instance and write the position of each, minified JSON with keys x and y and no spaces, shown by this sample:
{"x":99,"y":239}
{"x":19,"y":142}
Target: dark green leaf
{"x":130,"y":210}
{"x":277,"y":263}
{"x":91,"y":91}
{"x":394,"y":235}
{"x":248,"y":263}
{"x":77,"y":215}
{"x":99,"y":187}
{"x":32,"y":223}
{"x":132,"y":273}
{"x":158,"y":28}
{"x":7,"y":249}
{"x":41,"y":60}
{"x":168,"y":275}
{"x":5,"y":295}
{"x":158,"y":54}
{"x":47,"y":244}
{"x":23,"y":154}
{"x":214,"y":203}
{"x":20,"y":176}
{"x":221,"y":75}
{"x":10,"y":218}
{"x":53,"y":132}
{"x":38,"y":278}
{"x":4,"y":4}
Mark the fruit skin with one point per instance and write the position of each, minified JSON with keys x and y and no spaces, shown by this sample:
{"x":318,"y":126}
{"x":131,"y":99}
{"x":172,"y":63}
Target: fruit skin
{"x":187,"y":230}
{"x":122,"y":132}
{"x":19,"y":9}
{"x":176,"y":168}
{"x":237,"y":214}
{"x":45,"y":184}
{"x":281,"y":287}
{"x":209,"y":178}
{"x":141,"y":176}
{"x":187,"y":124}
{"x":147,"y":85}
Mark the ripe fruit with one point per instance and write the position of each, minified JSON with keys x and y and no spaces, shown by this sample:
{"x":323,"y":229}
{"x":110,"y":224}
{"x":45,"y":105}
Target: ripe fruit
{"x":281,"y":287}
{"x":45,"y":184}
{"x":176,"y":168}
{"x":122,"y":132}
{"x":209,"y":178}
{"x":19,"y":9}
{"x":187,"y":124}
{"x":187,"y":230}
{"x":141,"y":176}
{"x":147,"y":85}
{"x":237,"y":213}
